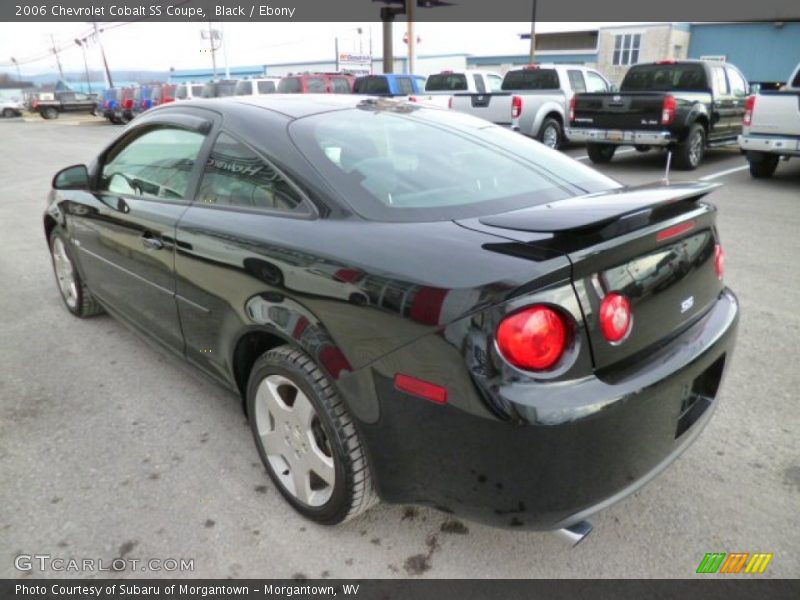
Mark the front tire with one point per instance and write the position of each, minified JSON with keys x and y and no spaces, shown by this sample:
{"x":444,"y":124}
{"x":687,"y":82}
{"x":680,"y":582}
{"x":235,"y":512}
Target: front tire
{"x":50,"y":113}
{"x":689,"y":153}
{"x":600,"y":153}
{"x":762,"y":165}
{"x":307,"y":439}
{"x":551,"y":134}
{"x":74,"y":292}
{"x":8,"y":113}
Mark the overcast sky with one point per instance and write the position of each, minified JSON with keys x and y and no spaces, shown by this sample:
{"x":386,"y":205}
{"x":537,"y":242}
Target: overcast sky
{"x":159,"y":46}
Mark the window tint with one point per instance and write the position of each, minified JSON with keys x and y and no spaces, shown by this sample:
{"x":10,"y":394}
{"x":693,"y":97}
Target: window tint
{"x":738,"y":84}
{"x":446,"y":82}
{"x":663,"y":78}
{"x":340,"y":85}
{"x":405,"y":86}
{"x":531,"y":79}
{"x":266,"y":87}
{"x":479,"y":85}
{"x":236,"y":176}
{"x":289,"y":85}
{"x":422,"y":164}
{"x":576,"y":81}
{"x":372,"y":85}
{"x":157,"y":164}
{"x":495,"y":82}
{"x":595,"y":83}
{"x":244,"y":88}
{"x":316,"y":85}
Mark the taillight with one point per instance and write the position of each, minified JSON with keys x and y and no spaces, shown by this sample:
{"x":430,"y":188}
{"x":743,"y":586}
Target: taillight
{"x":572,"y":108}
{"x":516,"y":106}
{"x":450,"y":102}
{"x":420,"y":387}
{"x":749,"y":107}
{"x":615,"y":317}
{"x":412,"y":98}
{"x":533,"y":338}
{"x":719,"y":261}
{"x":668,"y":107}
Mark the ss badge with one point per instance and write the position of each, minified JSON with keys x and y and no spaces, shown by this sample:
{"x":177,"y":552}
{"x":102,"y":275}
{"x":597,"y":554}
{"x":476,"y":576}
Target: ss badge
{"x":687,"y":304}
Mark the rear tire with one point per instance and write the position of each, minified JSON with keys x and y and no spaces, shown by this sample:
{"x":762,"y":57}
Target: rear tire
{"x":551,"y":134}
{"x":762,"y":165}
{"x":74,"y":292}
{"x":50,"y":113}
{"x":600,"y":153}
{"x":689,"y":153}
{"x":641,"y":148}
{"x":301,"y":426}
{"x":8,"y":113}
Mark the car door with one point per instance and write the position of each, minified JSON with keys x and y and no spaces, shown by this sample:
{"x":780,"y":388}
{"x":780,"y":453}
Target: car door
{"x":724,"y":110}
{"x":126,"y":240}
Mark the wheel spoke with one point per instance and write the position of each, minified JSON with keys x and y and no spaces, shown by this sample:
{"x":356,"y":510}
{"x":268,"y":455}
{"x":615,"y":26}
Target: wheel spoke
{"x":303,"y":410}
{"x":273,"y":443}
{"x":321,"y":464}
{"x":302,"y":483}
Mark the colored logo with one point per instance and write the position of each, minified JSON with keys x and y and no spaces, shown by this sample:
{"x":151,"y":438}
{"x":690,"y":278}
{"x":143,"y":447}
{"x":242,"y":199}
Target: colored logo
{"x":734,"y":562}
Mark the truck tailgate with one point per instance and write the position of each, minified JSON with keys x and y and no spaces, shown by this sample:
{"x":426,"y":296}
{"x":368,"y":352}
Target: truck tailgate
{"x":776,"y":113}
{"x":633,"y":110}
{"x":494,"y":107}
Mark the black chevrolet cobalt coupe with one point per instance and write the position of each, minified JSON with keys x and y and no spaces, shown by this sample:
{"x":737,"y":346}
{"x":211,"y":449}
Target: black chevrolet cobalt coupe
{"x":414,"y":305}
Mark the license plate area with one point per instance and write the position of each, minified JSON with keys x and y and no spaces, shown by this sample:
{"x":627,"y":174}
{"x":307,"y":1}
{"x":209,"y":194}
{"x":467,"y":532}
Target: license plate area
{"x":615,"y":135}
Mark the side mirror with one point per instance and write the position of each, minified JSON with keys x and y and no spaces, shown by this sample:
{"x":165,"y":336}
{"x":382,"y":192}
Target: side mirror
{"x":75,"y":177}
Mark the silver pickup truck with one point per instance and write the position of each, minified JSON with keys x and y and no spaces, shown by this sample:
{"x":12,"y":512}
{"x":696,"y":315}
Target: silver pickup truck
{"x":772,"y":127}
{"x":534,"y":100}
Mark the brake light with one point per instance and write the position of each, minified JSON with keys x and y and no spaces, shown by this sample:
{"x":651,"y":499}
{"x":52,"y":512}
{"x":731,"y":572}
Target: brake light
{"x":668,"y":107}
{"x":572,"y":108}
{"x":666,"y":62}
{"x":719,"y":261}
{"x":516,"y":106}
{"x":532,"y":67}
{"x":533,"y":338}
{"x":446,"y":72}
{"x":749,"y":107}
{"x":615,"y":317}
{"x":450,"y":102}
{"x":675,"y":230}
{"x":419,"y":387}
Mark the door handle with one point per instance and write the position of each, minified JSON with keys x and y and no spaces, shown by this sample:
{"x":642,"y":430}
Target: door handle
{"x":152,"y":243}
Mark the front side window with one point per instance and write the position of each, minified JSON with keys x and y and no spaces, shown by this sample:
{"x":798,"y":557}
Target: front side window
{"x":235,"y":175}
{"x":419,"y":164}
{"x":720,"y":81}
{"x":576,"y":81}
{"x":738,"y":84}
{"x":626,"y":48}
{"x":156,"y":164}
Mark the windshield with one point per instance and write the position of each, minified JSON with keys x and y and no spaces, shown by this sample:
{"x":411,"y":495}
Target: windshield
{"x":531,"y":79}
{"x":665,"y":78}
{"x":407,"y":163}
{"x":446,"y":82}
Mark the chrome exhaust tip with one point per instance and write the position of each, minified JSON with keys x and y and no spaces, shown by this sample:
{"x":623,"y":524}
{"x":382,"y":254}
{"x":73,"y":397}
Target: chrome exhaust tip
{"x":574,"y":534}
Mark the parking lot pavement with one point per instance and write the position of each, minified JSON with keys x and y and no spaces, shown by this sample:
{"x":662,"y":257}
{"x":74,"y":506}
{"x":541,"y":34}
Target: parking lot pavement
{"x":109,"y":448}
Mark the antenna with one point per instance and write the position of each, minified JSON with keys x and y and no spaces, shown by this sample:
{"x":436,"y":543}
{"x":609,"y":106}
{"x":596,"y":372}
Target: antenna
{"x":669,"y":163}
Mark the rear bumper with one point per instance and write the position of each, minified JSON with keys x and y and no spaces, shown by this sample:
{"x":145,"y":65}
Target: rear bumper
{"x":620,"y":137}
{"x":576,"y":449}
{"x":772,"y":144}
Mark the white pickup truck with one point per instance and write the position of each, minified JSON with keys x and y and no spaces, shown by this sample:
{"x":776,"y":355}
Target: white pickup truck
{"x":534,"y":100}
{"x":771,"y":127}
{"x":440,"y":87}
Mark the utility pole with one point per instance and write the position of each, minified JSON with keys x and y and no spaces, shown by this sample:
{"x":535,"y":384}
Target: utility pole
{"x":213,"y":50}
{"x":58,"y":60}
{"x":103,"y":53}
{"x":387,"y":19}
{"x":82,"y":46}
{"x":16,"y":64}
{"x":533,"y":33}
{"x":224,"y":48}
{"x":410,"y":7}
{"x":336,"y":53}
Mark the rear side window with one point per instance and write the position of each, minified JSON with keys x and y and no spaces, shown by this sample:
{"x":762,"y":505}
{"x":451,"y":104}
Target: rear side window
{"x":244,"y":88}
{"x":664,"y":78}
{"x":156,"y":164}
{"x":479,"y":86}
{"x":531,"y":79}
{"x":495,"y":82}
{"x":266,"y":87}
{"x":595,"y":83}
{"x":316,"y":85}
{"x":234,"y":175}
{"x":405,"y":86}
{"x":372,"y":85}
{"x":446,"y":82}
{"x":340,"y":85}
{"x":738,"y":84}
{"x":576,"y":81}
{"x":289,"y":85}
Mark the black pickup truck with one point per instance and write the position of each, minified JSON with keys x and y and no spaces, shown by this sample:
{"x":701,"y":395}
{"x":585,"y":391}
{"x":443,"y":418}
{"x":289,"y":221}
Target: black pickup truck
{"x":65,"y":102}
{"x":684,"y":106}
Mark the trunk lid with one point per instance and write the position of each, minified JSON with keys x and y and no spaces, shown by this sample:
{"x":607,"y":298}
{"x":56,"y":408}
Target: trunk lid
{"x":654,"y":244}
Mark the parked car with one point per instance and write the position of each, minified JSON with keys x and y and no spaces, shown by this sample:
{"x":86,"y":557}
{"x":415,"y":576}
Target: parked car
{"x":684,"y":106}
{"x":389,"y":85}
{"x":317,"y":83}
{"x":146,"y":97}
{"x":65,"y":102}
{"x":168,"y":91}
{"x":534,"y":100}
{"x":257,"y":86}
{"x":540,"y":372}
{"x":440,"y":87}
{"x":11,"y":107}
{"x":771,"y":127}
{"x":222,"y":88}
{"x":187,"y":91}
{"x":126,"y":106}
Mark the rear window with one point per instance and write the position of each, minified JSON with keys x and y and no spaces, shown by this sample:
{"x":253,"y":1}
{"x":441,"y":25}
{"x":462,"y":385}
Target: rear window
{"x":531,"y":79}
{"x":226,"y":88}
{"x":266,"y":87}
{"x":663,"y":78}
{"x":405,"y":86}
{"x":340,"y":85}
{"x":289,"y":85}
{"x":446,"y":82}
{"x":244,"y":88}
{"x":197,"y":90}
{"x":418,"y":164}
{"x":316,"y":85}
{"x":372,"y":85}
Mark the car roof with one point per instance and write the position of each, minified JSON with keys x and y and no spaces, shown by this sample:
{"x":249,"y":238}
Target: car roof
{"x":293,"y":106}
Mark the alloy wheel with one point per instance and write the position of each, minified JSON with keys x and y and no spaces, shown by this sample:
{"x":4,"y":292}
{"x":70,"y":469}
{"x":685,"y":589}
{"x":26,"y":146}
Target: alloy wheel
{"x":65,"y":273}
{"x":296,"y":445}
{"x":696,"y":148}
{"x":550,"y":137}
